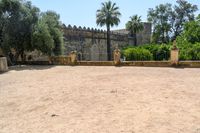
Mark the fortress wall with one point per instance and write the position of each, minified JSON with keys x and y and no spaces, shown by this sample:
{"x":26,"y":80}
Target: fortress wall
{"x":90,"y":44}
{"x":144,"y":37}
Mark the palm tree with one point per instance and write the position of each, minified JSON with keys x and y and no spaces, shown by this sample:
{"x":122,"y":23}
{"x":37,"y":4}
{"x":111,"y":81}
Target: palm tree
{"x":108,"y":15}
{"x":134,"y":26}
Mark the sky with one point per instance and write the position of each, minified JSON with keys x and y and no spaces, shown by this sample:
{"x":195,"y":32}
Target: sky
{"x":83,"y":12}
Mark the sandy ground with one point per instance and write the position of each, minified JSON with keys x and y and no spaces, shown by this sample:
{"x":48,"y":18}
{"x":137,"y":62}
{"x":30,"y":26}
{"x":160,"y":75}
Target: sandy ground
{"x":63,"y":99}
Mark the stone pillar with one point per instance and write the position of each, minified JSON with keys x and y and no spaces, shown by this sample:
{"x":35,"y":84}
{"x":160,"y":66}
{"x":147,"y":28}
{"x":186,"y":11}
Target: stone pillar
{"x":73,"y":57}
{"x":117,"y":55}
{"x":3,"y":64}
{"x":174,"y":54}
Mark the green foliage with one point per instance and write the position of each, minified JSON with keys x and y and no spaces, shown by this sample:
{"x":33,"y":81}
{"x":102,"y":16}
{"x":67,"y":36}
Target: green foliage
{"x":183,"y":12}
{"x":189,"y":41}
{"x":24,"y":28}
{"x":134,"y":26}
{"x":160,"y":19}
{"x":18,"y":18}
{"x":190,"y":52}
{"x":192,"y":31}
{"x":187,"y":50}
{"x":168,"y":21}
{"x":42,"y":39}
{"x":49,"y":22}
{"x":151,"y":51}
{"x":108,"y":14}
{"x":160,"y":52}
{"x":137,"y":54}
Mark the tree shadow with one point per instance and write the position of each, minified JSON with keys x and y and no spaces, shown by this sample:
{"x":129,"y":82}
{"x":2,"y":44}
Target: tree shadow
{"x":29,"y":67}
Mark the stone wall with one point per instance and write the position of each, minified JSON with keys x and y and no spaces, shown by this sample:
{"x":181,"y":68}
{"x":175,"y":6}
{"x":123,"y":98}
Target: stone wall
{"x":91,"y":45}
{"x":143,"y":37}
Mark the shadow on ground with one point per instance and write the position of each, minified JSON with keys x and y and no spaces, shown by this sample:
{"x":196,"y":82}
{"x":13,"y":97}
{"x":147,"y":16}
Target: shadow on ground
{"x":30,"y":67}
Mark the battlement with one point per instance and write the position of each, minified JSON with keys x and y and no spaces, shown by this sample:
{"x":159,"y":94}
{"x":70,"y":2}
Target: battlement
{"x":88,"y":29}
{"x":79,"y":28}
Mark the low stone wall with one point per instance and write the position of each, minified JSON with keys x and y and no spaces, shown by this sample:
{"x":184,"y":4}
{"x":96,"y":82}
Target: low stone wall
{"x":67,"y":61}
{"x":3,"y":64}
{"x":95,"y":63}
{"x":193,"y":64}
{"x":60,"y":60}
{"x":33,"y":63}
{"x":189,"y":64}
{"x":147,"y":63}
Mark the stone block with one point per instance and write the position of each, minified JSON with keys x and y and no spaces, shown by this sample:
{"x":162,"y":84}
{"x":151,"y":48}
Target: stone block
{"x":3,"y":64}
{"x":73,"y":56}
{"x":117,"y":56}
{"x":174,"y":56}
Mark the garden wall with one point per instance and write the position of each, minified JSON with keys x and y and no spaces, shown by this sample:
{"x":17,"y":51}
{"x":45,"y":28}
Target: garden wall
{"x":187,"y":64}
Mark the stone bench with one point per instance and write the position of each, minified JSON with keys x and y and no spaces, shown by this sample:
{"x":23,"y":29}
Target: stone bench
{"x":3,"y":64}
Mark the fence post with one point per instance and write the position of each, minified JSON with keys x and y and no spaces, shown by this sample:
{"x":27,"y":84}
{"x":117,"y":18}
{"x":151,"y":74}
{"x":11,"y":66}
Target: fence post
{"x":117,"y":55}
{"x":174,"y":54}
{"x":73,"y":57}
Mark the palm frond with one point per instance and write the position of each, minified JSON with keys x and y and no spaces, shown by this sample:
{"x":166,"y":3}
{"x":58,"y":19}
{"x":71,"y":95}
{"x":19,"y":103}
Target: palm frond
{"x":108,"y":14}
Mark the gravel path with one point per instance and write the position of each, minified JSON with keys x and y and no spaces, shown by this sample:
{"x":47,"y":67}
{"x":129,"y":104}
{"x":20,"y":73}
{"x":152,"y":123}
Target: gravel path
{"x":64,"y":99}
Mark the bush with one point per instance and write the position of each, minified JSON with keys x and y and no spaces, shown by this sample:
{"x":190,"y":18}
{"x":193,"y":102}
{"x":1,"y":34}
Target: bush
{"x":137,"y":54}
{"x":160,"y":52}
{"x":155,"y":52}
{"x":188,"y":51}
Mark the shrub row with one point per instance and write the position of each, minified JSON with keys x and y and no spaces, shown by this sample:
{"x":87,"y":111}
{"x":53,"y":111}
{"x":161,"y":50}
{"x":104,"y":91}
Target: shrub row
{"x":147,"y":52}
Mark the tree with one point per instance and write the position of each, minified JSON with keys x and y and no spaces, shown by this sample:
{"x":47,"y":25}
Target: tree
{"x":18,"y":19}
{"x":24,"y":28}
{"x":168,"y":21}
{"x":42,"y":39}
{"x":182,"y":13}
{"x":134,"y":26}
{"x":49,"y":28}
{"x":191,"y":31}
{"x":108,"y":15}
{"x":160,"y":20}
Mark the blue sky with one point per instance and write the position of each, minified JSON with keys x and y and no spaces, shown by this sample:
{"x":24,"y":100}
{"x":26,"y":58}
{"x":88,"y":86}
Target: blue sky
{"x":83,"y":12}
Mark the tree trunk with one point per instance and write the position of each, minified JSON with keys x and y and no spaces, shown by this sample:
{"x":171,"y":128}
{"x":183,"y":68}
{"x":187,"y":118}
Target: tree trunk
{"x":135,"y":39}
{"x":108,"y":43}
{"x":163,"y":36}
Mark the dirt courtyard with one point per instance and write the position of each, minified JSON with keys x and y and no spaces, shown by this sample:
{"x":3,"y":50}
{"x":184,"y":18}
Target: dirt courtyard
{"x":64,"y":99}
